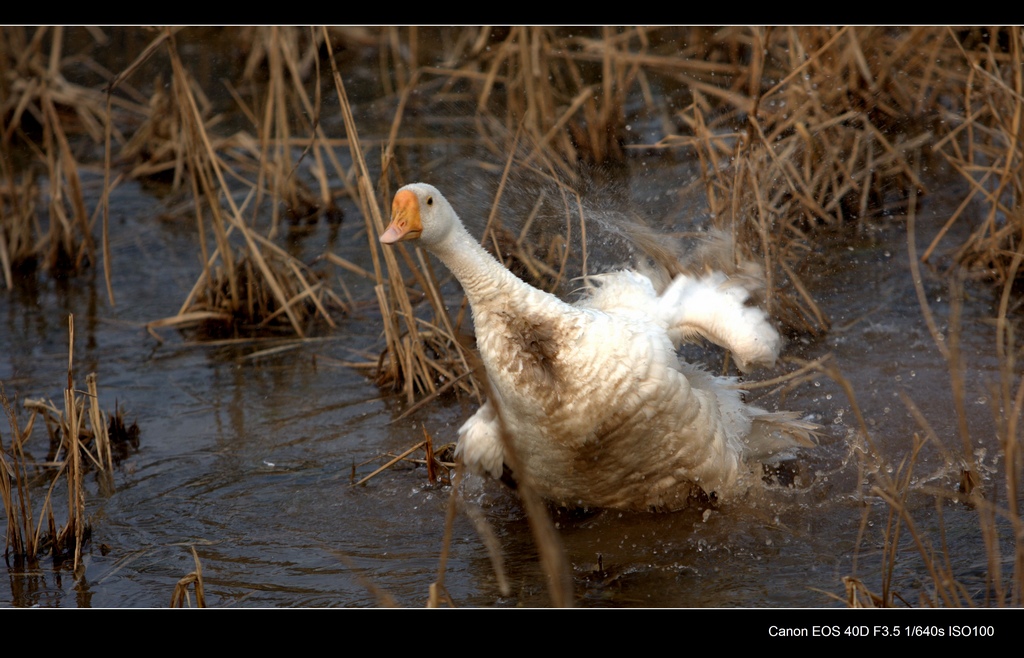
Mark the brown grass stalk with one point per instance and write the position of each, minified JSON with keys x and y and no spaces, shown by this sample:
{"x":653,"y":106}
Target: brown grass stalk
{"x":79,"y":439}
{"x":14,"y":494}
{"x":180,"y":598}
{"x":994,"y":520}
{"x":235,"y":288}
{"x":984,"y":146}
{"x":799,"y":132}
{"x":43,"y":110}
{"x":76,"y":493}
{"x":19,"y":225}
{"x":404,"y":363}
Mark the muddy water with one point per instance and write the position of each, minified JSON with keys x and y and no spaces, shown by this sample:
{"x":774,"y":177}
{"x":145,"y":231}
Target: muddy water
{"x":248,"y":458}
{"x":247,"y":454}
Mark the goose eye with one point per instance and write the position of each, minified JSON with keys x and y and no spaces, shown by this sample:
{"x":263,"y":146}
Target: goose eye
{"x":430,"y":200}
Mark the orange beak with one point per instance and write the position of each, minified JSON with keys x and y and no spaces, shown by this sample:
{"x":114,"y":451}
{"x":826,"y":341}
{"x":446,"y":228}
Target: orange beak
{"x":405,"y":219}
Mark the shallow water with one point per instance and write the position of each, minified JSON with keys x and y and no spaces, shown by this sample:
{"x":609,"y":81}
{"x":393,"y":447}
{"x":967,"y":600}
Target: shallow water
{"x":249,"y":458}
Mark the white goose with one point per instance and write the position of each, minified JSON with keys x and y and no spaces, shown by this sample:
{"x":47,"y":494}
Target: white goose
{"x":598,"y":407}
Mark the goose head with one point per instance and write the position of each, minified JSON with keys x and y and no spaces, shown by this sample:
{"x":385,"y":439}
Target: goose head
{"x":420,"y":212}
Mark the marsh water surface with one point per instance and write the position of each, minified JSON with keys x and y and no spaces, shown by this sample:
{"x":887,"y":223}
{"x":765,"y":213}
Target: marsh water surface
{"x":248,"y":449}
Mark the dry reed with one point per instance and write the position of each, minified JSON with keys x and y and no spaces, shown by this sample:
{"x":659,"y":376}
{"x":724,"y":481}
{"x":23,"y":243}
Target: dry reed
{"x":795,"y":128}
{"x":181,"y":598}
{"x":252,"y":287}
{"x":43,"y":115}
{"x":80,"y":437}
{"x":1000,"y":524}
{"x":420,"y":354}
{"x":983,"y":145}
{"x":788,"y":150}
{"x":35,"y":99}
{"x":800,"y":132}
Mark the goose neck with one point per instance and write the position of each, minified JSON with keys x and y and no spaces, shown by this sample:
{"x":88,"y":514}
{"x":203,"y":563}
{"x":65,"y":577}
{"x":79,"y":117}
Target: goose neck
{"x":480,"y":274}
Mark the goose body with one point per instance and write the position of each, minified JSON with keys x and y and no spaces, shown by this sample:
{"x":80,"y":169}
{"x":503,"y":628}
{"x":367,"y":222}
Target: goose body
{"x":595,"y":402}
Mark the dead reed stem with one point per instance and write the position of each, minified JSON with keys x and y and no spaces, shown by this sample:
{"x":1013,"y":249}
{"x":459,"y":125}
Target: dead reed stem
{"x":180,"y":598}
{"x":80,"y":433}
{"x":76,"y":492}
{"x":798,"y":131}
{"x":984,"y":146}
{"x":15,"y":496}
{"x":43,"y":111}
{"x":404,"y":362}
{"x":437,"y":588}
{"x":993,"y":518}
{"x":233,"y":291}
{"x":552,"y":555}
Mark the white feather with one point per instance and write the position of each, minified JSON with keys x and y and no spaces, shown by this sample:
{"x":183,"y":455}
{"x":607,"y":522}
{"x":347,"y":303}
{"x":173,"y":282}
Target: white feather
{"x":594,"y":400}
